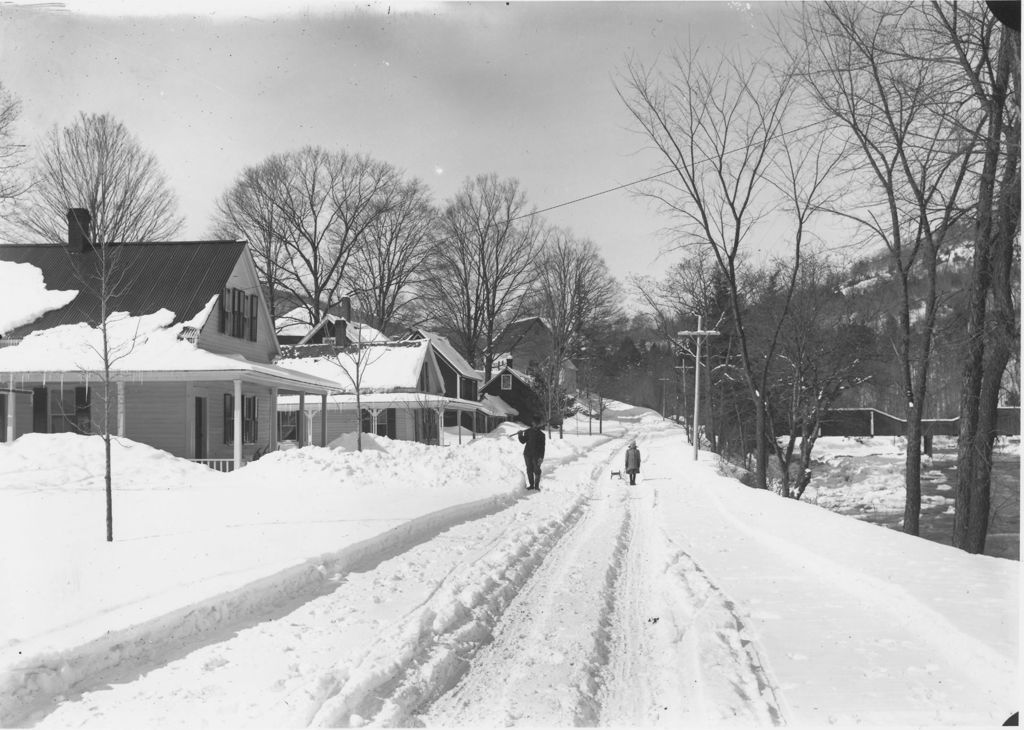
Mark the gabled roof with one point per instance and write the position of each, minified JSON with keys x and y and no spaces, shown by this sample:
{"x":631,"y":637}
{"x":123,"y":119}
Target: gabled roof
{"x":355,"y":331}
{"x":514,"y":333}
{"x":178,"y":276}
{"x":446,"y":350}
{"x":517,"y":374}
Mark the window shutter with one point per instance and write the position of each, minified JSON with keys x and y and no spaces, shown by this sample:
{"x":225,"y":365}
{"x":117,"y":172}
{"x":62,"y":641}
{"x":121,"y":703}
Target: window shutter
{"x":392,"y":426}
{"x":222,"y":323}
{"x":253,"y":308}
{"x":229,"y":418}
{"x":39,"y":410}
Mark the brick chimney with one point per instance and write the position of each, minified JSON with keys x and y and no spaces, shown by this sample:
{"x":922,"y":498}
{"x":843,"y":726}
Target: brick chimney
{"x":346,"y":308}
{"x":79,"y":230}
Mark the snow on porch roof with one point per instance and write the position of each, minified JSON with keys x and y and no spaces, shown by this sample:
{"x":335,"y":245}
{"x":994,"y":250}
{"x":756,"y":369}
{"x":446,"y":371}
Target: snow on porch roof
{"x":341,"y":401}
{"x":384,"y":367}
{"x":142,"y":348}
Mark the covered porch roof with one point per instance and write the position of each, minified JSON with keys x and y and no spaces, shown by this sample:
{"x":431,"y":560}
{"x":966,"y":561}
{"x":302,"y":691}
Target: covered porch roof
{"x":408,"y":400}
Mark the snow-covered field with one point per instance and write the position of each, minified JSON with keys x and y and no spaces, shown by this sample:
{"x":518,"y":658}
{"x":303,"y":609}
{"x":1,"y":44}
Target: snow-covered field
{"x":410,"y":585}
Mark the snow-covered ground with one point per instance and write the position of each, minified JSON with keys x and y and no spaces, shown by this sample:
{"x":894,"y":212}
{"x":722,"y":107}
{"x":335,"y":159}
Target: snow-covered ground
{"x":410,"y":585}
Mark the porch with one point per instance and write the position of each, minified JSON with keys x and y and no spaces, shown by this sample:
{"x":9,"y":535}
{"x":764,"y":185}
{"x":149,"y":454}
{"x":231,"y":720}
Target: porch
{"x":222,"y":419}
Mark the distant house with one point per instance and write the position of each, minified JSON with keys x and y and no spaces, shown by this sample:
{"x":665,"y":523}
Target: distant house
{"x":195,"y":374}
{"x":526,"y":345}
{"x":515,"y":389}
{"x":463,"y":382}
{"x":333,"y":329}
{"x":401,"y":392}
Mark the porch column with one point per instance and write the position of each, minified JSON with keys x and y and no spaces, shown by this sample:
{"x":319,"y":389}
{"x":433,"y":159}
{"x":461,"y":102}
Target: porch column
{"x":273,"y":419}
{"x":323,"y":419}
{"x":238,"y":423}
{"x":374,"y":412}
{"x":440,"y":426}
{"x":301,"y":420}
{"x":458,"y":423}
{"x":10,"y":415}
{"x":120,"y":408}
{"x":474,"y":425}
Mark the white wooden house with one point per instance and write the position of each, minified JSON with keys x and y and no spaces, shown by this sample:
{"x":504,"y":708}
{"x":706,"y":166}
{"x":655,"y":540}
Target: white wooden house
{"x":195,"y":374}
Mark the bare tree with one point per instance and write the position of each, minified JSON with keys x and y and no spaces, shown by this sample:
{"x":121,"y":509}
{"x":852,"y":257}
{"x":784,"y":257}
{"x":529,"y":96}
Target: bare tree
{"x":734,"y":159}
{"x":392,"y":260}
{"x":97,"y":164}
{"x":483,"y":265}
{"x":354,"y":361}
{"x":247,"y":211}
{"x":824,"y":351}
{"x":12,"y":155}
{"x":311,"y":211}
{"x":868,"y":68}
{"x":987,"y":55}
{"x":575,"y":292}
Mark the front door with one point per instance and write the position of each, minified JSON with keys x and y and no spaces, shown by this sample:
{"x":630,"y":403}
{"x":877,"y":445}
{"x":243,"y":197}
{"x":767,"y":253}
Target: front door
{"x":200,"y":451}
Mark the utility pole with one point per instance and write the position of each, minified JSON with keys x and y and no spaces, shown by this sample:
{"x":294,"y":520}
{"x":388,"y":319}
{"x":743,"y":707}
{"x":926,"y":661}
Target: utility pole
{"x":699,"y":335}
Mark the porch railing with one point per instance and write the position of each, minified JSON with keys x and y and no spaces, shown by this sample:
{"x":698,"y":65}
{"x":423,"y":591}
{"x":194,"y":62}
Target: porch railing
{"x":217,"y":464}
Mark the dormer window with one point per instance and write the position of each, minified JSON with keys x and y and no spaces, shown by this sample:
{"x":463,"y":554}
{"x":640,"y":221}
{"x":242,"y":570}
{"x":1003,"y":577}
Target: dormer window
{"x":238,"y":314}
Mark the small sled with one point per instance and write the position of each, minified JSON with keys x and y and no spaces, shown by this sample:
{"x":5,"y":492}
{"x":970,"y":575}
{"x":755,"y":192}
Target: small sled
{"x":617,"y":474}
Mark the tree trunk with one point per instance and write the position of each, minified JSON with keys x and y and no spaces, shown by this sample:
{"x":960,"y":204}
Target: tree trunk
{"x":979,"y":395}
{"x":108,"y":483}
{"x":760,"y":447}
{"x":912,"y":508}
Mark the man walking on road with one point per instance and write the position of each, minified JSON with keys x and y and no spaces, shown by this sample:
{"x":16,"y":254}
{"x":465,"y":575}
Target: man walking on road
{"x":632,"y":462}
{"x":533,"y":452}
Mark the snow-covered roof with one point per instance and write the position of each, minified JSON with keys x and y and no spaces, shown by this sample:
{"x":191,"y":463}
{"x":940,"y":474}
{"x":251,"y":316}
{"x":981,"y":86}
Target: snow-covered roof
{"x":25,"y":296}
{"x":381,"y":400}
{"x":447,"y":350}
{"x":354,"y":331}
{"x":294,"y":322}
{"x":496,"y":406}
{"x":148,"y":347}
{"x":382,"y":366}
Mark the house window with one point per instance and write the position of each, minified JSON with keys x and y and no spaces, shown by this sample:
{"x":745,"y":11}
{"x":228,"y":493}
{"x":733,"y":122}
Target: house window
{"x":250,"y":423}
{"x":238,"y":314}
{"x":69,"y":410}
{"x":288,"y":425}
{"x":506,"y":382}
{"x":386,"y":423}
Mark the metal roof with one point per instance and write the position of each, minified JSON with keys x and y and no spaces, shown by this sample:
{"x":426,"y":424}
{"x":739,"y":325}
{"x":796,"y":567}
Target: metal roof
{"x":178,"y":276}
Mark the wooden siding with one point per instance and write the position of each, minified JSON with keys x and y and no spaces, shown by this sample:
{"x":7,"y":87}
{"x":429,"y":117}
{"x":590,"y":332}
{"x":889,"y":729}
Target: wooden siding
{"x":265,"y":346}
{"x":154,"y":414}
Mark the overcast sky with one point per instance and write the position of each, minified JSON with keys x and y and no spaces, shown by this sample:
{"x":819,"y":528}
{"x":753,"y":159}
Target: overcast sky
{"x":442,"y":91}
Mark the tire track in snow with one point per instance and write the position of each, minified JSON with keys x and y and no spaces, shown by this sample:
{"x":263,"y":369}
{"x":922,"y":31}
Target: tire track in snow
{"x":680,"y":653}
{"x":543,"y":666}
{"x":429,"y":654}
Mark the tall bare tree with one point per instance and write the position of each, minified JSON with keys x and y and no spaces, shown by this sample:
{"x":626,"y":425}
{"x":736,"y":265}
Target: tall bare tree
{"x":734,"y":157}
{"x":869,"y":68}
{"x":483,"y":265}
{"x":97,"y":164}
{"x":311,"y":211}
{"x":575,"y":293}
{"x":393,"y":258}
{"x":247,"y":211}
{"x":12,"y":155}
{"x":987,"y":55}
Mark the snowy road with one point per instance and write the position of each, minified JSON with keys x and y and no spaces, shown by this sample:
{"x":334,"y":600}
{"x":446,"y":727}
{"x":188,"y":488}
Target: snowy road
{"x":589,"y":603}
